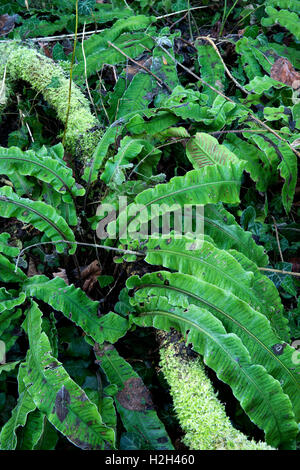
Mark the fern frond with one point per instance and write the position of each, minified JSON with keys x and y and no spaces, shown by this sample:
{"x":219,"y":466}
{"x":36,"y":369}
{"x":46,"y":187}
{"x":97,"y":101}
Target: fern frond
{"x":40,"y":215}
{"x":234,"y":273}
{"x":76,"y":306}
{"x":287,"y":19}
{"x":237,"y":316}
{"x":133,"y":401}
{"x":203,"y":149}
{"x":259,"y":394}
{"x":57,"y":395}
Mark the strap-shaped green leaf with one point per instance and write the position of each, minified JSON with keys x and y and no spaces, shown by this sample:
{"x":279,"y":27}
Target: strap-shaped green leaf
{"x":288,"y":19}
{"x":260,"y":170}
{"x":212,"y":70}
{"x":8,"y":438}
{"x":220,"y":268}
{"x":203,"y":149}
{"x":137,"y":96}
{"x":40,"y":215}
{"x":288,"y":168}
{"x":222,"y":227}
{"x":261,"y":84}
{"x":259,"y":394}
{"x":133,"y":400}
{"x":98,"y":52}
{"x":24,"y":406}
{"x":6,"y":322}
{"x":54,"y":393}
{"x":53,"y":172}
{"x":264,"y":290}
{"x":5,"y":247}
{"x":209,"y":184}
{"x":78,"y":307}
{"x":32,"y":431}
{"x":279,"y":155}
{"x":252,"y":58}
{"x":128,"y":150}
{"x":8,"y":273}
{"x":10,"y":299}
{"x":93,"y":165}
{"x":8,"y":366}
{"x":253,"y":328}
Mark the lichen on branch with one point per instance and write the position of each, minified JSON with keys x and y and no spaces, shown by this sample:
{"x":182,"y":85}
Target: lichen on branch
{"x":200,"y":413}
{"x":19,"y":62}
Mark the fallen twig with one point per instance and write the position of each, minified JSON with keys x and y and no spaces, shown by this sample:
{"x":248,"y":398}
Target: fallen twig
{"x":160,"y":82}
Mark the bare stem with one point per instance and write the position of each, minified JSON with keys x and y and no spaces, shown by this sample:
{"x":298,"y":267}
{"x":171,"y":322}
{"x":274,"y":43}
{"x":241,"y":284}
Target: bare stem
{"x":93,"y":245}
{"x":71,"y":75}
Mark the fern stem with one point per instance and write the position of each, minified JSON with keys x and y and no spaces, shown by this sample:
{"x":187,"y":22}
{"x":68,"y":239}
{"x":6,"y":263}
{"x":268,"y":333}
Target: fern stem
{"x":189,"y":18}
{"x":85,"y":74}
{"x":291,"y":273}
{"x":224,"y":65}
{"x":277,"y":239}
{"x":225,"y":18}
{"x":71,"y":75}
{"x":160,"y":82}
{"x":93,"y":245}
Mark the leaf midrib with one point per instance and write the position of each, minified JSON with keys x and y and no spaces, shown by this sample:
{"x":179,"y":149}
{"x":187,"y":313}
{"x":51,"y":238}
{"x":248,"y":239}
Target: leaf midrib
{"x":213,"y":338}
{"x":190,"y":294}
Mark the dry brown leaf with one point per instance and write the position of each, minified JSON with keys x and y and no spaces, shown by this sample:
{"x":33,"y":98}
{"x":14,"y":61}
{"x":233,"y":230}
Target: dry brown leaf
{"x":90,"y":275}
{"x":7,"y":24}
{"x":46,"y":49}
{"x":132,"y":69}
{"x":283,"y":71}
{"x":32,"y":271}
{"x":62,"y":273}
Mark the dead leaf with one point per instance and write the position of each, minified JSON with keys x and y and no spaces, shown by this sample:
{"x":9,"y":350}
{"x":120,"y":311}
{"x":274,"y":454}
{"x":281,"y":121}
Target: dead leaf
{"x":295,"y":264}
{"x":133,"y":68}
{"x":90,"y":275}
{"x":46,"y":49}
{"x":135,"y":396}
{"x":32,"y":271}
{"x":7,"y":24}
{"x":62,"y":401}
{"x":62,"y":273}
{"x":283,"y":71}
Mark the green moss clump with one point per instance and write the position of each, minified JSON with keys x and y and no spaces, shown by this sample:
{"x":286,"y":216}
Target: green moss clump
{"x":49,"y":79}
{"x":87,"y":143}
{"x":201,"y":415}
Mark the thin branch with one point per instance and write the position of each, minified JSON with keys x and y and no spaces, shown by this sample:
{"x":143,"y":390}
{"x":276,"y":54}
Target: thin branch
{"x":104,"y":247}
{"x":206,"y":38}
{"x":160,"y":82}
{"x":85,"y":72}
{"x":177,"y":21}
{"x":189,"y":18}
{"x":183,"y":11}
{"x":71,"y":75}
{"x":22,"y":117}
{"x":277,"y":239}
{"x":279,"y":271}
{"x":59,"y":37}
{"x":240,"y":131}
